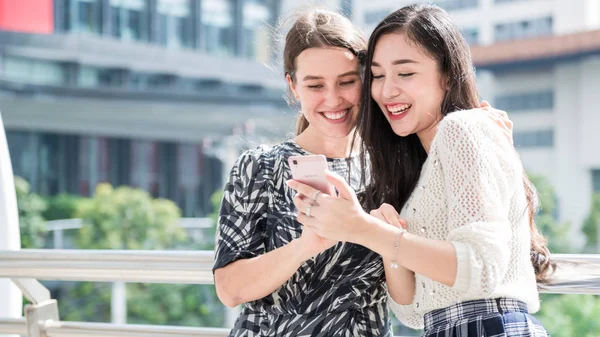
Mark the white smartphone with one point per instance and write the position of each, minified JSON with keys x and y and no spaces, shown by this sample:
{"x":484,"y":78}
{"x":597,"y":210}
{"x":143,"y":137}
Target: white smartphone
{"x":310,"y":170}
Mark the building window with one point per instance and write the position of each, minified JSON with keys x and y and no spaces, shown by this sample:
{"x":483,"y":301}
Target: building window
{"x":471,"y":35}
{"x":541,"y":138}
{"x":175,"y":23}
{"x":503,"y":1}
{"x":83,"y":16}
{"x":95,"y":77}
{"x":128,"y":19}
{"x":450,"y":5}
{"x":596,"y":180}
{"x":33,"y":71}
{"x":523,"y":29}
{"x":217,"y":24}
{"x":374,"y":17}
{"x":543,"y":100}
{"x":256,"y":31}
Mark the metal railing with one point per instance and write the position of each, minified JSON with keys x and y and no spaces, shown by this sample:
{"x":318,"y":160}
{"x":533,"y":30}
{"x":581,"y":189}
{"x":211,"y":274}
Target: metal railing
{"x":574,"y":274}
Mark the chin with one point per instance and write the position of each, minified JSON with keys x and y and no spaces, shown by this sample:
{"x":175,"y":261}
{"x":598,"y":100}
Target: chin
{"x":402,"y":132}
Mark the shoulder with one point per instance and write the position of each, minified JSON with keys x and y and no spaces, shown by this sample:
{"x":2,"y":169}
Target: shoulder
{"x":466,"y":121}
{"x":263,"y":160}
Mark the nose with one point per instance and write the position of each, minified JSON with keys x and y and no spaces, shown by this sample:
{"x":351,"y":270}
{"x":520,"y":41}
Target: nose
{"x":333,"y":98}
{"x":390,"y":89}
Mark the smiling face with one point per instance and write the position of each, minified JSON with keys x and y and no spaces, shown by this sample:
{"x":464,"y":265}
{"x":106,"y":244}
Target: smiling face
{"x":407,"y":85}
{"x":327,"y":84}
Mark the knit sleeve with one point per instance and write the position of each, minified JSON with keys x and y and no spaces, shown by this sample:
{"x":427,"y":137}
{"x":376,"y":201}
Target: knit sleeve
{"x":481,"y":171}
{"x":242,"y":216}
{"x":406,"y":314}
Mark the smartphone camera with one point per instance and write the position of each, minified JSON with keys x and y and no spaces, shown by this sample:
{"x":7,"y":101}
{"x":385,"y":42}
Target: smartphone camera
{"x":295,"y":162}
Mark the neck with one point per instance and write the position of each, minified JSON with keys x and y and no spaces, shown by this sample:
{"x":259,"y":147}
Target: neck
{"x":426,"y":136}
{"x":315,"y":142}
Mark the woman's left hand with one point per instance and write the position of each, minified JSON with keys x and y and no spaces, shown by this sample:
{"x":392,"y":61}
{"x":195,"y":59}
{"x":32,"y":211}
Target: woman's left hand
{"x":338,"y":218}
{"x":501,"y":119}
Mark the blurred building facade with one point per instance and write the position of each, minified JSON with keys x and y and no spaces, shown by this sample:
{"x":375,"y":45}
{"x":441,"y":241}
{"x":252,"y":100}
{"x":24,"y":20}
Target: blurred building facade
{"x":540,"y":61}
{"x":150,"y":93}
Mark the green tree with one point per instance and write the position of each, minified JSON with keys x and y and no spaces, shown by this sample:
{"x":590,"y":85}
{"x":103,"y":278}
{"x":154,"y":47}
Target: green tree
{"x":31,"y":223}
{"x":128,"y":218}
{"x":121,"y":218}
{"x":590,"y":225}
{"x":62,"y":206}
{"x":563,"y":315}
{"x":187,"y":304}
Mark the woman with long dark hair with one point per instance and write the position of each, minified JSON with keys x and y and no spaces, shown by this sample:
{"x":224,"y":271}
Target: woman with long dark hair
{"x":468,"y":260}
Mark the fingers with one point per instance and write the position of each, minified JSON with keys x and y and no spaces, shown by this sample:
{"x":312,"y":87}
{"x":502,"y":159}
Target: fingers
{"x":344,"y":190}
{"x":388,"y":213}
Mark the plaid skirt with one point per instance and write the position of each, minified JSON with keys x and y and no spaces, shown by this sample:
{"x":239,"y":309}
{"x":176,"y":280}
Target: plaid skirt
{"x":501,"y":317}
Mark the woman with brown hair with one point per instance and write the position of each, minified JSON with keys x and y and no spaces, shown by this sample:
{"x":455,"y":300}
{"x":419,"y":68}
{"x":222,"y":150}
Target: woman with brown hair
{"x":468,"y":261}
{"x":290,"y":281}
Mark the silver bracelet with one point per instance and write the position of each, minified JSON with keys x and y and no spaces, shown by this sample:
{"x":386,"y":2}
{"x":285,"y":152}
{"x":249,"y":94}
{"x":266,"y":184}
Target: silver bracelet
{"x":394,"y":264}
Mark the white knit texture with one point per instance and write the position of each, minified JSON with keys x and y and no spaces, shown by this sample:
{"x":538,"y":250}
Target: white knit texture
{"x":471,"y":193}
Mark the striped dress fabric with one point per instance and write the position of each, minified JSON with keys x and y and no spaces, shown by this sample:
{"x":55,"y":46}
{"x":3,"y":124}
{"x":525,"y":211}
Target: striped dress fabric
{"x":340,"y":292}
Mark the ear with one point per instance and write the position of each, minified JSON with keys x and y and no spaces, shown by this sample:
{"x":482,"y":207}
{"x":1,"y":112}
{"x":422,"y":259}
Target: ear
{"x":292,"y":86}
{"x":445,"y":83}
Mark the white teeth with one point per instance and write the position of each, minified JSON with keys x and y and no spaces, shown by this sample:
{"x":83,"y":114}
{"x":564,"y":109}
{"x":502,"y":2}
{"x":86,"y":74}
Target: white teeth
{"x":336,"y":115}
{"x":399,"y":109}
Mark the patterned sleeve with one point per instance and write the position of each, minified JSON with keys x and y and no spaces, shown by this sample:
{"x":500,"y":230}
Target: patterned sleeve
{"x":481,"y":173}
{"x":243,"y":211}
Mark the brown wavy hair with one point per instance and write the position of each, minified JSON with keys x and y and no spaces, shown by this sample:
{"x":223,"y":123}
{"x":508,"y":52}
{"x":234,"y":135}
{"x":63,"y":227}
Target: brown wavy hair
{"x":395,"y":162}
{"x":319,"y":28}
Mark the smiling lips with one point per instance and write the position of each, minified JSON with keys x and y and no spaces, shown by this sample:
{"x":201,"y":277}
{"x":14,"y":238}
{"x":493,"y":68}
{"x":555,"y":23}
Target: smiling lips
{"x":397,"y":110}
{"x":338,"y":116}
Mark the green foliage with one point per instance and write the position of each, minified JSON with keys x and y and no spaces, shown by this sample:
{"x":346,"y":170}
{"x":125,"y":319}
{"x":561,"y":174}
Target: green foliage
{"x":174,"y":304}
{"x":62,"y":206}
{"x":571,"y":315}
{"x":563,"y":315}
{"x":31,"y":223}
{"x":556,"y":233}
{"x":128,"y":218}
{"x":591,"y":223}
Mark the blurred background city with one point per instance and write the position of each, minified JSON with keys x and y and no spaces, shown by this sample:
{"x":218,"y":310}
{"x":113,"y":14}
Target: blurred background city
{"x":123,"y":118}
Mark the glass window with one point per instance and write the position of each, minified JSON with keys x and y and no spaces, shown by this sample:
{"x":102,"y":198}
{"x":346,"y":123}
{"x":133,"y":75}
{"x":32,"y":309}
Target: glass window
{"x":84,"y":16}
{"x":523,"y":29}
{"x":471,"y":35}
{"x":175,"y":23}
{"x":457,"y":4}
{"x":217,"y":27}
{"x":541,"y":138}
{"x":90,"y":77}
{"x":33,"y":71}
{"x":256,"y":31}
{"x":596,"y":180}
{"x":128,"y":18}
{"x":520,"y":102}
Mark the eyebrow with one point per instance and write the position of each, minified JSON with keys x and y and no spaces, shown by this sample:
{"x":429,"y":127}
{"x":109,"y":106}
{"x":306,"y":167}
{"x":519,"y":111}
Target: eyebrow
{"x":396,"y":62}
{"x":310,"y":77}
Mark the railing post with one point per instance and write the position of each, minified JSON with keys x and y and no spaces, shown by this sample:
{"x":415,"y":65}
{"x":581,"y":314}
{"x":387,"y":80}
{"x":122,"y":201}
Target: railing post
{"x":38,"y":314}
{"x":10,"y":237}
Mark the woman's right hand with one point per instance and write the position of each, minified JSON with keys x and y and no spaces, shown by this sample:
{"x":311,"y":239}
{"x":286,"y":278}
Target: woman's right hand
{"x":388,"y":214}
{"x":312,"y":243}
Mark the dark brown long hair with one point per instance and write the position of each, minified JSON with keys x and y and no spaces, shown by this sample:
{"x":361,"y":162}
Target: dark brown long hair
{"x":314,"y":28}
{"x":395,"y":162}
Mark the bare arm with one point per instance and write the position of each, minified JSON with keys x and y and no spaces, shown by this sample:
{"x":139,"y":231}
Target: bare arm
{"x":251,"y":279}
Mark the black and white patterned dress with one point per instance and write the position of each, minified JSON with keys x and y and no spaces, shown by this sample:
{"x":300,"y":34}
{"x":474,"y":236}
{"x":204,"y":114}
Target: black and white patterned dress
{"x":340,"y":292}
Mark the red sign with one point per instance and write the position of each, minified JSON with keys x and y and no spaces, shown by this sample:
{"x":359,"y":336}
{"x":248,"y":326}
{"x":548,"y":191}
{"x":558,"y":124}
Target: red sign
{"x":27,"y":16}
